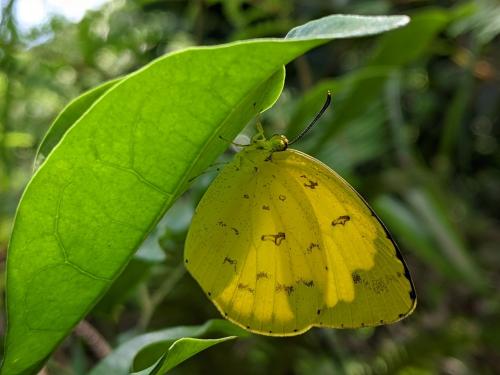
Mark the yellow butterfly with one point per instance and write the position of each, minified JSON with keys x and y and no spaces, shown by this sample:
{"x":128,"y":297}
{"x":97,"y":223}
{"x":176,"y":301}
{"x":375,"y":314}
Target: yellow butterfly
{"x":281,"y":243}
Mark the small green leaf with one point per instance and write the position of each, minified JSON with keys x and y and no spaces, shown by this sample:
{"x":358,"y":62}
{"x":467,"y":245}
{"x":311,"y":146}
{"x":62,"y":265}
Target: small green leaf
{"x":182,"y":350}
{"x":347,"y":26}
{"x":146,"y":350}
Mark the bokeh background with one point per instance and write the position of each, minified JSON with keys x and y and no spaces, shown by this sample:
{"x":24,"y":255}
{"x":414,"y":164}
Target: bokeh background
{"x":414,"y":127}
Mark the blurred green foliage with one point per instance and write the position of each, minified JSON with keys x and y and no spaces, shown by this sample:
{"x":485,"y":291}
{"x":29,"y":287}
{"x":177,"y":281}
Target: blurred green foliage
{"x":414,"y":128}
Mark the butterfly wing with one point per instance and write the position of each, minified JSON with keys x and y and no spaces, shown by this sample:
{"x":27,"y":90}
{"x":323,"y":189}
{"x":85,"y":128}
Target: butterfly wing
{"x":233,"y":266}
{"x":283,"y":243}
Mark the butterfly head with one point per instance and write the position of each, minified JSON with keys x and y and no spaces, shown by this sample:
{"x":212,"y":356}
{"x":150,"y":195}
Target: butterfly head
{"x":278,"y":142}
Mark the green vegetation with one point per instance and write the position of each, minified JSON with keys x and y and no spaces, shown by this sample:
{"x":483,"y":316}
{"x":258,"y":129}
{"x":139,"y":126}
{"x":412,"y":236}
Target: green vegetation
{"x":413,"y":128}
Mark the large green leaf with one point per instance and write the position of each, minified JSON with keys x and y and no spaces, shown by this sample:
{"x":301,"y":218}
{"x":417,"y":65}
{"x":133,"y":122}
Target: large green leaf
{"x":121,"y":165}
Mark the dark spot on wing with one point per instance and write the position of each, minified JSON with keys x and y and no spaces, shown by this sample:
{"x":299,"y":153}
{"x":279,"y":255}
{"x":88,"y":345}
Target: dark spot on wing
{"x":381,"y":321}
{"x":318,"y":311}
{"x":276,"y":238}
{"x":220,"y":223}
{"x":295,"y":330}
{"x":362,"y":324}
{"x":311,"y":184}
{"x":308,"y":283}
{"x":209,"y":294}
{"x":341,"y":325}
{"x":267,"y":208}
{"x":401,"y":315}
{"x":356,"y":278}
{"x":398,"y":274}
{"x":282,"y":197}
{"x":341,"y":220}
{"x":236,"y":231}
{"x":326,"y":268}
{"x":246,"y":287}
{"x":288,"y":289}
{"x":256,"y":169}
{"x":246,"y":196}
{"x":232,"y":262}
{"x":269,"y":158}
{"x":187,"y":261}
{"x":262,"y":275}
{"x":312,"y":246}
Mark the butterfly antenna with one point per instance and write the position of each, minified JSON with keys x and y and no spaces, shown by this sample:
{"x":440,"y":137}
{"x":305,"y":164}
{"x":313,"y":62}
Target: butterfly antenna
{"x":320,"y":113}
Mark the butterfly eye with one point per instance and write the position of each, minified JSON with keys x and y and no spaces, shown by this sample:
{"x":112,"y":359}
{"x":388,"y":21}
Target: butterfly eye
{"x":278,"y":142}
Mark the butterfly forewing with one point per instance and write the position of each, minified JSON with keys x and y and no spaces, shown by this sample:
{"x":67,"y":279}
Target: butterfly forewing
{"x":281,"y":243}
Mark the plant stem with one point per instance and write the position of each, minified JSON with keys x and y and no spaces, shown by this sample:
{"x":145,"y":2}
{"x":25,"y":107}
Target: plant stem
{"x":163,"y":290}
{"x":94,"y":340}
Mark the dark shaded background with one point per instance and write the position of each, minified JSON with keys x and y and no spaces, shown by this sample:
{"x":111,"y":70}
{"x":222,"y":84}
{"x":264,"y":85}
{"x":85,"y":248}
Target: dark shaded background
{"x":414,"y":128}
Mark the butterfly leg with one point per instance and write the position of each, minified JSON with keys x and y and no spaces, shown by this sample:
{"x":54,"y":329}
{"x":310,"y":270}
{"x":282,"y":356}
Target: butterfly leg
{"x":260,"y":132}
